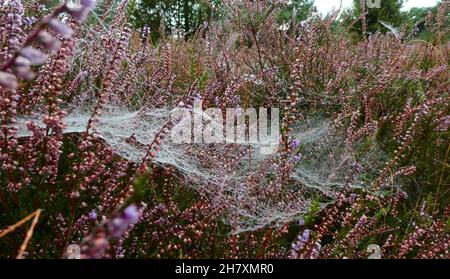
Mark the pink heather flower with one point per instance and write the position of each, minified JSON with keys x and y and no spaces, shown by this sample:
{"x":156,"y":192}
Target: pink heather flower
{"x":48,"y":41}
{"x":8,"y":80}
{"x":35,"y":56}
{"x":63,"y":29}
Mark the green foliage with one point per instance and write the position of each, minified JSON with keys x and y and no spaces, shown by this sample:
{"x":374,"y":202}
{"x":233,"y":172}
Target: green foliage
{"x":415,"y":21}
{"x":311,"y":215}
{"x":296,"y":9}
{"x":389,"y":12}
{"x":412,"y":21}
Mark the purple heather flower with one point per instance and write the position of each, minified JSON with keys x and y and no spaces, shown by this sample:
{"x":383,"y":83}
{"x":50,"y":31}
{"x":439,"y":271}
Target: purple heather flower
{"x":293,"y":255}
{"x":294,"y":144}
{"x":30,"y":20}
{"x":24,"y":72}
{"x":22,"y":67}
{"x":35,"y":56}
{"x":301,"y":222}
{"x":48,"y":41}
{"x":161,"y":207}
{"x":8,"y":80}
{"x":358,"y":167}
{"x":296,"y":246}
{"x":131,"y":214}
{"x":88,"y":4}
{"x":352,"y":198}
{"x":79,"y":13}
{"x":21,"y":61}
{"x":63,"y":29}
{"x":299,"y":243}
{"x":93,"y":215}
{"x":444,"y":124}
{"x":316,"y":250}
{"x":13,"y":41}
{"x":318,"y":246}
{"x":117,"y":227}
{"x":297,"y":157}
{"x":423,"y":213}
{"x":305,"y":236}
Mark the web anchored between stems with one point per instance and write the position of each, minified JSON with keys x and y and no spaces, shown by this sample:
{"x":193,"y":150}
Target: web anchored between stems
{"x":254,"y":195}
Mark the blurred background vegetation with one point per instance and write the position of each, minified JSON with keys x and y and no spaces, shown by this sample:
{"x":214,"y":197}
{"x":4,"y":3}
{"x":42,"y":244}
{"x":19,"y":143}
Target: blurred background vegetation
{"x":185,"y":17}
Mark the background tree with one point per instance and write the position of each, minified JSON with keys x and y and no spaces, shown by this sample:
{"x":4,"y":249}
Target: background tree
{"x":182,"y":17}
{"x":389,"y":12}
{"x":297,"y":9}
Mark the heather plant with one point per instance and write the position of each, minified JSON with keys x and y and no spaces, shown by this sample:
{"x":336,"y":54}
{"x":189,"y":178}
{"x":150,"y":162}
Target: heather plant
{"x":87,"y":158}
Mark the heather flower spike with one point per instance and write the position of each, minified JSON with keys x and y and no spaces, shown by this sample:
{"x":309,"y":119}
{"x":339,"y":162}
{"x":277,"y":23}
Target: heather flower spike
{"x":95,"y":244}
{"x":63,"y":29}
{"x":35,"y":56}
{"x":8,"y":80}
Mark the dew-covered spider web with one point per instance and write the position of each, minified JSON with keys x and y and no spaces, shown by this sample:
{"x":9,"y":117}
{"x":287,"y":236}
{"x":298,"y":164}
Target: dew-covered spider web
{"x":240,"y":179}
